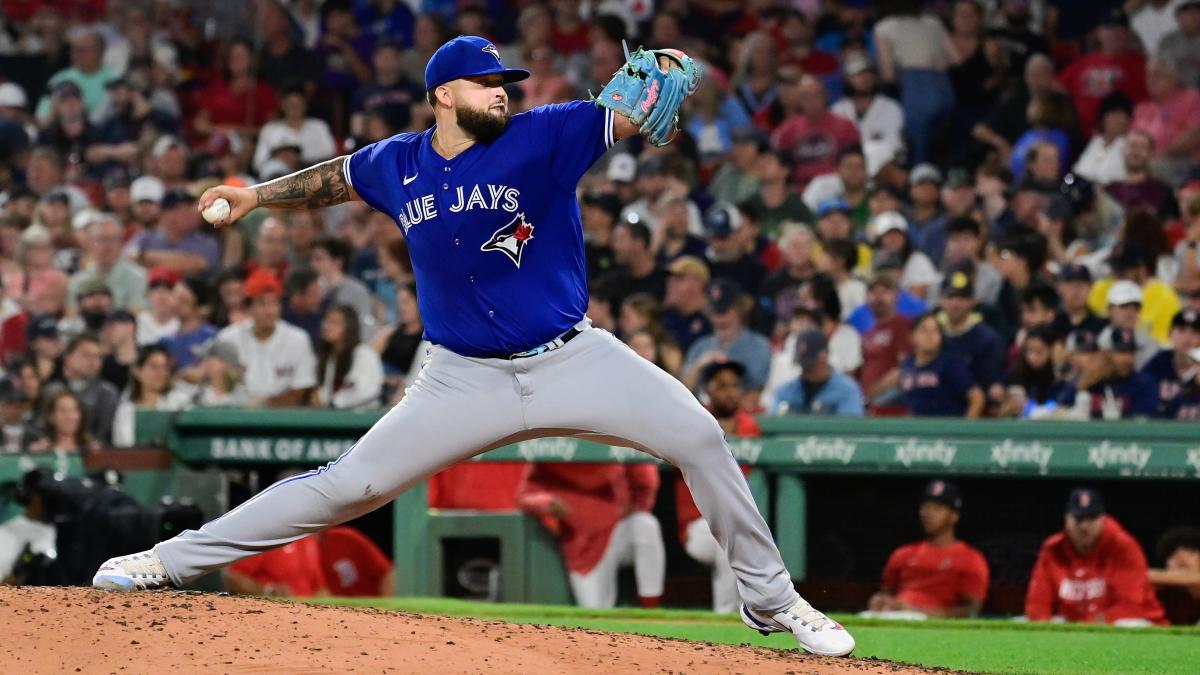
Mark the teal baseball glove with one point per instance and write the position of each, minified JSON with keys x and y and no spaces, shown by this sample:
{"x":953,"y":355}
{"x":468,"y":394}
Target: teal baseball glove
{"x":649,"y":89}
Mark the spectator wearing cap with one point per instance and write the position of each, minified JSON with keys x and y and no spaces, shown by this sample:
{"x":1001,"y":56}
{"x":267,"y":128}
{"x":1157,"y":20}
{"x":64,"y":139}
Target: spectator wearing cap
{"x":1109,"y":386}
{"x":87,"y":71}
{"x":45,"y":346}
{"x":722,"y":384}
{"x":730,"y":340}
{"x":65,"y":126}
{"x":193,"y":300}
{"x":15,"y":432}
{"x":81,"y":364}
{"x":160,"y":318}
{"x":814,"y":136}
{"x":848,"y":185}
{"x":935,"y":379}
{"x":1172,"y":368}
{"x":221,"y":381}
{"x":146,"y":194}
{"x":683,"y":314}
{"x":235,"y":99}
{"x":777,"y":201}
{"x":94,"y":303}
{"x":1093,"y":571}
{"x":879,"y":117}
{"x":925,"y":215}
{"x":599,"y":212}
{"x":637,"y":271}
{"x":150,"y":388}
{"x":1140,"y":187}
{"x":964,"y":244}
{"x":1103,"y":160}
{"x":1179,"y":551}
{"x":1115,"y":66}
{"x":1181,"y":46}
{"x":1032,"y":386}
{"x":331,"y":259}
{"x":671,"y":237}
{"x":118,"y":341}
{"x":175,"y":242}
{"x":892,"y":241}
{"x":1155,"y":301}
{"x":965,"y":331}
{"x":310,"y":135}
{"x":126,"y":280}
{"x":278,"y":357}
{"x":1074,"y":286}
{"x":734,"y":180}
{"x":169,"y":162}
{"x":886,"y":342}
{"x":941,"y":575}
{"x":1020,"y":261}
{"x":840,"y":262}
{"x":834,"y":222}
{"x":819,"y":389}
{"x":915,"y":54}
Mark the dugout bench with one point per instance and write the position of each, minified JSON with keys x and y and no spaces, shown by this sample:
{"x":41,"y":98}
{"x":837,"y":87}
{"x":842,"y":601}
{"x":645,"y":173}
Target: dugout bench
{"x":791,"y":448}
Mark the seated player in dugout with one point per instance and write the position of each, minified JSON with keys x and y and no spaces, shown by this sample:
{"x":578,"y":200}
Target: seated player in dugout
{"x":1179,"y":551}
{"x":939,"y":576}
{"x":1092,"y":572}
{"x":600,"y":515}
{"x":722,"y":386}
{"x":340,"y":562}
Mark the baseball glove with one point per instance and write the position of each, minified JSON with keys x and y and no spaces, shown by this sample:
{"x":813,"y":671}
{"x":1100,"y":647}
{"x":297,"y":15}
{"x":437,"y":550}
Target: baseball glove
{"x":649,"y":93}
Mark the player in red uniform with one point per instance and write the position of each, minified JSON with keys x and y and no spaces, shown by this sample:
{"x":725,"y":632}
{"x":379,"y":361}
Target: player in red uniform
{"x":940,"y":575}
{"x":600,"y":514}
{"x":1093,"y":571}
{"x":339,"y":561}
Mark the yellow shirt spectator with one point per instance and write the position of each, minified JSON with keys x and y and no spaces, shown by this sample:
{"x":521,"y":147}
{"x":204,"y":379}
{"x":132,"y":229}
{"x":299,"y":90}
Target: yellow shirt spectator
{"x":1160,"y":304}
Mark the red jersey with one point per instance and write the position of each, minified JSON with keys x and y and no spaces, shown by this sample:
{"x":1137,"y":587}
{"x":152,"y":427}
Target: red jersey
{"x":814,"y":144}
{"x":1093,"y":76}
{"x":744,"y":426}
{"x":882,"y":348}
{"x":941,"y":577}
{"x":483,"y":486}
{"x":1106,"y":585}
{"x":597,"y":497}
{"x":351,"y":564}
{"x":296,"y":566}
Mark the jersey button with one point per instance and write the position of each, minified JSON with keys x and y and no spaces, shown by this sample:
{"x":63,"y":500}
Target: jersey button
{"x":491,"y":313}
{"x":456,"y":242}
{"x":472,"y":278}
{"x":447,"y":169}
{"x":445,"y":186}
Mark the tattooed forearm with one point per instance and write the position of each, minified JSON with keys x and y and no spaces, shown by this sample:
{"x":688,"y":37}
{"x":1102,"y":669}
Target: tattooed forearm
{"x":317,"y":186}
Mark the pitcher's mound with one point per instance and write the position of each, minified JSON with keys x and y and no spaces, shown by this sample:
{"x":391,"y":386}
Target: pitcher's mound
{"x":68,"y":630}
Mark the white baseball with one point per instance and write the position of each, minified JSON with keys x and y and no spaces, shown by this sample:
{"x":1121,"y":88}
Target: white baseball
{"x":218,"y":211}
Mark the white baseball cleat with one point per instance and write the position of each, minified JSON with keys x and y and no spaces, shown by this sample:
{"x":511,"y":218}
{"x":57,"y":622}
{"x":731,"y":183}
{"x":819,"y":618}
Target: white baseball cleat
{"x":817,"y":633}
{"x":136,"y":572}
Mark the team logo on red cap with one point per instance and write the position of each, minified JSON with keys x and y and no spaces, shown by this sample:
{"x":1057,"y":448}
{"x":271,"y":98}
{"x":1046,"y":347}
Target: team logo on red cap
{"x":511,"y":239}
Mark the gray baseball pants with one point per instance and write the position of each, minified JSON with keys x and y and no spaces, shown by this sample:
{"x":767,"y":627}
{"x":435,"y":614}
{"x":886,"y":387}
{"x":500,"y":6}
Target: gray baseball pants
{"x":593,"y":387}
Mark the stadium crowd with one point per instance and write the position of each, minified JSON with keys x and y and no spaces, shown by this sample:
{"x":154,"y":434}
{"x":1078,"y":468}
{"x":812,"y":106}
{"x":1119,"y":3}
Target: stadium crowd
{"x":954,"y":208}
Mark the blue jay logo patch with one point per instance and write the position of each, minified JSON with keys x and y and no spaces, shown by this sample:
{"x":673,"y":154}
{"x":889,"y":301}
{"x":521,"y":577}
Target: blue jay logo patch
{"x":511,"y":239}
{"x":491,"y":49}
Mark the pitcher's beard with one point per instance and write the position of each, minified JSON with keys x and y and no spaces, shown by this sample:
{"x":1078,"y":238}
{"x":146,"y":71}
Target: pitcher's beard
{"x":481,"y":124}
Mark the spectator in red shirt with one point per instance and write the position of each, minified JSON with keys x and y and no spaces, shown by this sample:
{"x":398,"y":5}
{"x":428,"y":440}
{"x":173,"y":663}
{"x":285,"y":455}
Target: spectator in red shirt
{"x":722,"y":383}
{"x":940,"y":575}
{"x":886,"y":343}
{"x":1093,"y":571}
{"x":1114,"y":67}
{"x":814,"y":137}
{"x":600,"y":514}
{"x":236,"y":100}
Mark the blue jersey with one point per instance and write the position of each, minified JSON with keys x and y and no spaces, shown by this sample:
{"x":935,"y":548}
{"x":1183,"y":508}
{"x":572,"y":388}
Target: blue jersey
{"x":494,"y":234}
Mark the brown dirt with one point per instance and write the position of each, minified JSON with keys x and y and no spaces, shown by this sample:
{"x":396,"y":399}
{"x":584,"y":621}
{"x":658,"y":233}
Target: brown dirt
{"x":65,"y":630}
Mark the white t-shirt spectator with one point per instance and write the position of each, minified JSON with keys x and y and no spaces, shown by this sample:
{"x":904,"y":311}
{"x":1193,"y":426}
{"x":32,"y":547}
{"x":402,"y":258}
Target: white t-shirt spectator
{"x":883,"y":120}
{"x":918,"y":271}
{"x":361,"y":386}
{"x":917,"y":42}
{"x":1102,"y":162}
{"x":1152,"y":24}
{"x":150,"y":330}
{"x":851,"y":293}
{"x":123,"y":434}
{"x":282,"y":362}
{"x":315,"y":140}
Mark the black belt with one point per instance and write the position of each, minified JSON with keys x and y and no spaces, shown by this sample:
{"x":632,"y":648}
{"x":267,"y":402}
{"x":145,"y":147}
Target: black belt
{"x":540,"y":349}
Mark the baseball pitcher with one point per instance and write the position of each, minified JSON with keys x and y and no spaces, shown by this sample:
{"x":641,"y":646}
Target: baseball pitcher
{"x":487,"y":204}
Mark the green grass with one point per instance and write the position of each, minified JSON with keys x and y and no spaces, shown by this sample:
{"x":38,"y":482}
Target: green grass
{"x":989,"y":646}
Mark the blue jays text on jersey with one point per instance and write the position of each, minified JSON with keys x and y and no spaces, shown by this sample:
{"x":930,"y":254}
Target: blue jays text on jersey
{"x":494,"y":233}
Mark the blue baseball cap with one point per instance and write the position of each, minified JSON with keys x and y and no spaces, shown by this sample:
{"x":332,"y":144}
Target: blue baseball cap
{"x":830,"y":205}
{"x":468,"y":56}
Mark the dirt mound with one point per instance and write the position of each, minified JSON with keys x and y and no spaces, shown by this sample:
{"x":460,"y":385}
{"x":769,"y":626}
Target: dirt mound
{"x":65,"y":630}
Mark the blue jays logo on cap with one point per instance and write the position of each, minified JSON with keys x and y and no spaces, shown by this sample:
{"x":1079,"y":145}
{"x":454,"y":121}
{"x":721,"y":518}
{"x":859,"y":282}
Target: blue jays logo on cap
{"x":511,"y":239}
{"x":468,"y":56}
